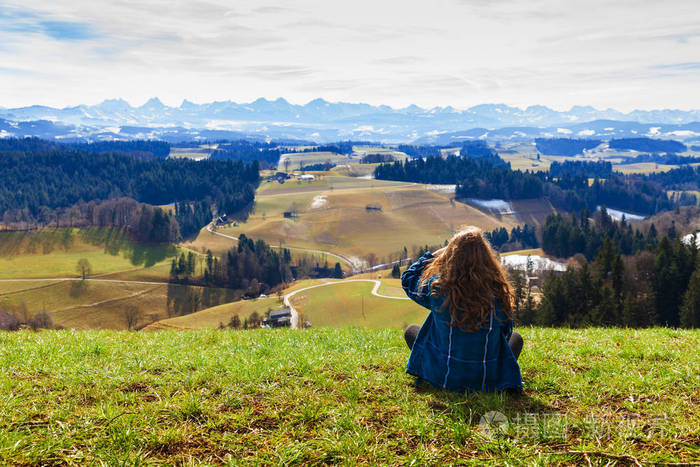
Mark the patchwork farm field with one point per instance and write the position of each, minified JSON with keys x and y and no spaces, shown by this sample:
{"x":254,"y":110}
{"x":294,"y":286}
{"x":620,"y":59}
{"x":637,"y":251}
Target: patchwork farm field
{"x":341,"y":396}
{"x":126,"y":277}
{"x":299,"y":159}
{"x":358,"y":217}
{"x":98,"y":304}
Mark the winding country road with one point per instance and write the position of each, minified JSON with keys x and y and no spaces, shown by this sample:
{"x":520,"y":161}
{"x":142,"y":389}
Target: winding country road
{"x":295,"y":314}
{"x":293,"y":248}
{"x":287,"y":298}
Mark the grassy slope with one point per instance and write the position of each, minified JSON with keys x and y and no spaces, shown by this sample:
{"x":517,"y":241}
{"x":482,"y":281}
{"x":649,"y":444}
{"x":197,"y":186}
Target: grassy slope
{"x":342,"y":305}
{"x":211,"y":318}
{"x":334,"y":305}
{"x":411,"y":215}
{"x":338,"y":396}
{"x":92,"y":305}
{"x":55,"y":252}
{"x":101,"y":305}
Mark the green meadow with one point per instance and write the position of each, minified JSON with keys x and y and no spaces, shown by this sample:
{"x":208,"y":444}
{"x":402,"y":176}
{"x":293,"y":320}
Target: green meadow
{"x":340,"y":396}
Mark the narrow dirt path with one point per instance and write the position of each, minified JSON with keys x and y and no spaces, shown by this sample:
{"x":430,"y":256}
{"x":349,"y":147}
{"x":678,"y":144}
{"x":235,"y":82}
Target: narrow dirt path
{"x":110,"y":300}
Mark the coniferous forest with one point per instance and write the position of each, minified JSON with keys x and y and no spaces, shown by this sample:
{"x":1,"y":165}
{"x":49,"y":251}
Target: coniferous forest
{"x":252,"y":266}
{"x":36,"y":177}
{"x":479,"y":178}
{"x":657,"y":286}
{"x":566,"y":235}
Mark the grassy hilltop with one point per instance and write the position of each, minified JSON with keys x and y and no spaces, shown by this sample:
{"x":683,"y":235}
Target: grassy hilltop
{"x":339,"y":396}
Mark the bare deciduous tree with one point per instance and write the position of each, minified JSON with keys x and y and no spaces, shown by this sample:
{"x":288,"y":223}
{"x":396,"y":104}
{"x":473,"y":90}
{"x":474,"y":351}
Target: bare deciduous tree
{"x":131,"y":317}
{"x":83,"y":267}
{"x":41,"y":320}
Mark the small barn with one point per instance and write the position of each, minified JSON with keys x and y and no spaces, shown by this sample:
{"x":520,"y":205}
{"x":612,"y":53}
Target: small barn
{"x":279,"y":318}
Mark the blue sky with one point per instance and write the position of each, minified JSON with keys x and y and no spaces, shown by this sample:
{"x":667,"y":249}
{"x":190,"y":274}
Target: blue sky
{"x":625,"y":54}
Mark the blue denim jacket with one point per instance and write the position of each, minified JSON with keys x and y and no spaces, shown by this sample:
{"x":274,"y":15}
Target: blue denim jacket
{"x":452,"y":359}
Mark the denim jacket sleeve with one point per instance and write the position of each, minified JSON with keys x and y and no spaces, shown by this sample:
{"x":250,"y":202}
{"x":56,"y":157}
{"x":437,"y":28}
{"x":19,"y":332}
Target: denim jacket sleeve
{"x":410,"y":281}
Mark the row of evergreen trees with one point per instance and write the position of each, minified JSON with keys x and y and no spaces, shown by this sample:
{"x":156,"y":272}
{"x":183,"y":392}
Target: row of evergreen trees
{"x":566,"y":235}
{"x":191,"y":217}
{"x":142,"y":149}
{"x":590,"y":169}
{"x":650,"y":288}
{"x":252,"y":266}
{"x":520,"y":238}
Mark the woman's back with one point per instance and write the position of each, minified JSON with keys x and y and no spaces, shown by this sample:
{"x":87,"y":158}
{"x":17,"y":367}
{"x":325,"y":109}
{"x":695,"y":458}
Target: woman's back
{"x":449,"y":357}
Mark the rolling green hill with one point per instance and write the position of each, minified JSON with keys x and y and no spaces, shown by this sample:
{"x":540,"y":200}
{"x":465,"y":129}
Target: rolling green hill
{"x":55,"y":252}
{"x":331,"y":214}
{"x":340,"y":396}
{"x":126,"y":275}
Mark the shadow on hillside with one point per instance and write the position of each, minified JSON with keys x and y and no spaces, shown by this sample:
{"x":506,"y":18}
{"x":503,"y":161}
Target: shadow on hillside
{"x":42,"y":241}
{"x":468,"y":408}
{"x":78,"y":288}
{"x":148,"y":255}
{"x":186,"y":299}
{"x":116,"y":241}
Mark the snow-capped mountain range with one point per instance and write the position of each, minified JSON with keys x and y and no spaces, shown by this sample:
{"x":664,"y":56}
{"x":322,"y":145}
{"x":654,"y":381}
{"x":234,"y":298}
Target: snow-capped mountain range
{"x":320,"y":120}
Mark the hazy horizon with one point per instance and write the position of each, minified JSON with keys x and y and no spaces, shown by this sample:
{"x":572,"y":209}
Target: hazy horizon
{"x":377,"y":104}
{"x":634,"y":54}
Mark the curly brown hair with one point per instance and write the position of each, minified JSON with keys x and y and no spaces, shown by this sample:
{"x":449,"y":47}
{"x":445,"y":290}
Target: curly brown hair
{"x":470,"y":276}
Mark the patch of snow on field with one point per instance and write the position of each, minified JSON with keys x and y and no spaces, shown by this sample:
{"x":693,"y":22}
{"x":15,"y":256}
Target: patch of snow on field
{"x":357,"y":263}
{"x":539,"y":263}
{"x":686,"y":239}
{"x":586,"y":133}
{"x":6,"y":134}
{"x":495,"y":204}
{"x":617,"y":215}
{"x":442,"y":188}
{"x":319,"y":201}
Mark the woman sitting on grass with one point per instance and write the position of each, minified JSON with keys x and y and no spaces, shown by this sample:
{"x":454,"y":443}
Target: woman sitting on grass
{"x":467,"y":342}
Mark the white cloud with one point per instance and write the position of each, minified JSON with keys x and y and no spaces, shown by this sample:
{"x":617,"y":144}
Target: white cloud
{"x":626,"y":54}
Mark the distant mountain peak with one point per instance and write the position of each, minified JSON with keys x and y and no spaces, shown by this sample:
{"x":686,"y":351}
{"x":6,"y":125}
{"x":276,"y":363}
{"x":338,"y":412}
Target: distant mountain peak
{"x":112,"y":104}
{"x":153,"y":103}
{"x":187,"y":104}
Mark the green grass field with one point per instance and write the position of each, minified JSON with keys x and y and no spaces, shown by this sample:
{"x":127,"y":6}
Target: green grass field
{"x":299,"y":159}
{"x":340,"y":396}
{"x":55,"y":252}
{"x":94,"y":304}
{"x":352,"y":304}
{"x":643,"y":168}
